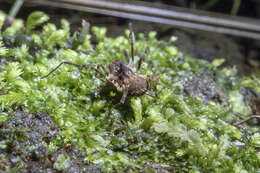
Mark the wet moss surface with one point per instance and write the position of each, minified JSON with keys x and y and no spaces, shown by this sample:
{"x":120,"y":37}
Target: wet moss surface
{"x":29,"y":143}
{"x":58,"y":124}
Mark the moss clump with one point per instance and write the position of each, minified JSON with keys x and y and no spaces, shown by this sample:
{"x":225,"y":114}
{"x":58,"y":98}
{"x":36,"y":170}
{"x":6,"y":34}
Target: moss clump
{"x":189,"y":128}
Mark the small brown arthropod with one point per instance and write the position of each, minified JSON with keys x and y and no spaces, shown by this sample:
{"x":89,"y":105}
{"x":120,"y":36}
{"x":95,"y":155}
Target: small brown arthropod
{"x":124,"y":77}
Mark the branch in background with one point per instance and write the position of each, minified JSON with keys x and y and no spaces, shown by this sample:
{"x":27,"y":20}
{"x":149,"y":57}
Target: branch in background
{"x":170,"y":15}
{"x":249,"y":118}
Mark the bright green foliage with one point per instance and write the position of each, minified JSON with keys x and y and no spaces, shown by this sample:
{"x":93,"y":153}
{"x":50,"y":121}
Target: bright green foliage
{"x":14,"y":28}
{"x":10,"y":80}
{"x":100,"y":33}
{"x":137,"y":108}
{"x":176,"y":130}
{"x":253,"y":82}
{"x":3,"y":116}
{"x":3,"y":50}
{"x":238,"y":105}
{"x":34,"y":19}
{"x":62,"y":162}
{"x":2,"y":18}
{"x":217,"y":62}
{"x":256,"y":140}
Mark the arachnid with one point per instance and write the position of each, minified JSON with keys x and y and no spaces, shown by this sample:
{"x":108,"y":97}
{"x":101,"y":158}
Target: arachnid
{"x":124,"y":77}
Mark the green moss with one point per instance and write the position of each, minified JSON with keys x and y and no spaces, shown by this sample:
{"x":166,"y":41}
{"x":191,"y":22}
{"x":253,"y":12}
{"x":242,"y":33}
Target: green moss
{"x":34,"y":19}
{"x":137,"y":108}
{"x":238,"y":105}
{"x":3,"y":117}
{"x":62,"y":162}
{"x":178,"y":130}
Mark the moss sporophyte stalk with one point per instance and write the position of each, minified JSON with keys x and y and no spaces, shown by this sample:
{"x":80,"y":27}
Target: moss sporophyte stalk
{"x":188,"y":128}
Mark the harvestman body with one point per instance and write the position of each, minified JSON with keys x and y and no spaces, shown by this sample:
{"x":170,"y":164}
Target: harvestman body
{"x":124,"y":77}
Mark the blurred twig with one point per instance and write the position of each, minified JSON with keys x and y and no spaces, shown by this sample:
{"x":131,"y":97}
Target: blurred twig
{"x":180,"y":17}
{"x":15,"y":8}
{"x":247,"y":119}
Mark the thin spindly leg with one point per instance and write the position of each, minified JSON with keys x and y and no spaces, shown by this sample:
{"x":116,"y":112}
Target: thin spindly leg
{"x":142,"y":56}
{"x":76,"y":65}
{"x":101,"y":87}
{"x":126,"y":56}
{"x":155,"y":91}
{"x":103,"y":68}
{"x":153,"y":85}
{"x":125,"y":92}
{"x":131,"y":37}
{"x":151,"y":95}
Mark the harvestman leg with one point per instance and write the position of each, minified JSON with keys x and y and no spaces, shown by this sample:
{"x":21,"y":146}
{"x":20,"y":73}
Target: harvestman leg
{"x":156,"y":94}
{"x":154,"y":88}
{"x":131,"y":38}
{"x":102,"y":85}
{"x":105,"y":82}
{"x":76,"y":65}
{"x":142,"y":56}
{"x":125,"y":92}
{"x":126,"y":56}
{"x":151,"y":95}
{"x":103,"y":68}
{"x":139,"y":66}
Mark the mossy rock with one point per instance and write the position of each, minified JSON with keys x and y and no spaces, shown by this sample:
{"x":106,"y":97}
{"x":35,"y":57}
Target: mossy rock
{"x":187,"y":129}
